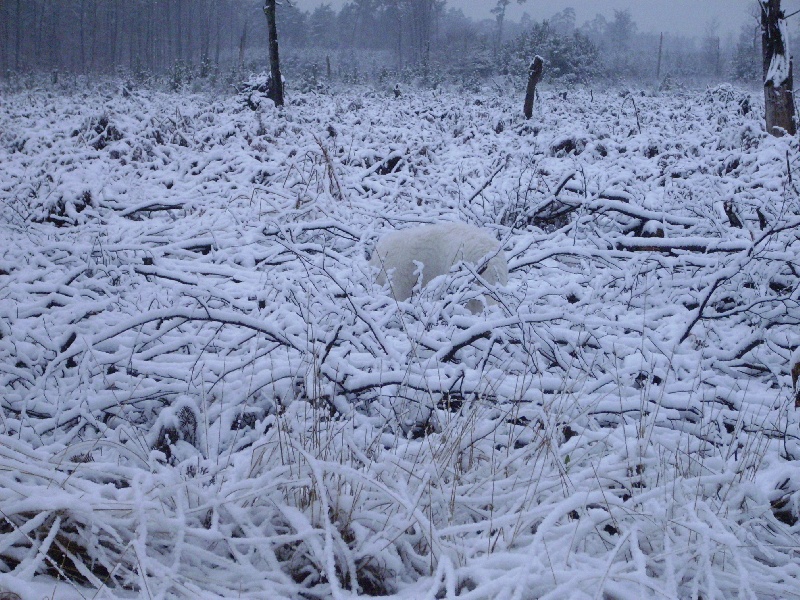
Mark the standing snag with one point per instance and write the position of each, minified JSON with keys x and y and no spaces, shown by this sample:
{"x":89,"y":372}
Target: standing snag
{"x":276,"y":84}
{"x":660,"y":54}
{"x":534,"y":76}
{"x":778,"y":77}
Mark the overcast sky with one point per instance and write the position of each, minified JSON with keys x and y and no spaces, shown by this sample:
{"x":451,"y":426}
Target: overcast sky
{"x":678,"y":16}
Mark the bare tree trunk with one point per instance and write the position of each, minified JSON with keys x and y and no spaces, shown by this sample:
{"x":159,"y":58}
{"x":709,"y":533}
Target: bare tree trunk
{"x":218,"y":40}
{"x":276,"y":88}
{"x":116,"y":50}
{"x":399,"y":43}
{"x":133,"y":31}
{"x":205,"y":38}
{"x":190,"y":37}
{"x":82,"y":22}
{"x":38,"y":49}
{"x":778,"y":76}
{"x":94,"y":29}
{"x":5,"y":40}
{"x":55,"y":40}
{"x":242,"y":45}
{"x":179,"y":31}
{"x":148,"y":47}
{"x":501,"y":17}
{"x":500,"y":14}
{"x":166,"y":31}
{"x":18,"y":38}
{"x":534,"y":76}
{"x":660,"y":54}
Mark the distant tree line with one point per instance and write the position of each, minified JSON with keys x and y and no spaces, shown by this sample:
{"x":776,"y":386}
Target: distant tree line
{"x":97,"y":35}
{"x":419,"y":38}
{"x":102,"y":35}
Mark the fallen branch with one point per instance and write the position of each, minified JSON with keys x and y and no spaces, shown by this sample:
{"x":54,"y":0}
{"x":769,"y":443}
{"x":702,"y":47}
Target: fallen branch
{"x":152,"y":207}
{"x":488,"y":182}
{"x":670,"y":245}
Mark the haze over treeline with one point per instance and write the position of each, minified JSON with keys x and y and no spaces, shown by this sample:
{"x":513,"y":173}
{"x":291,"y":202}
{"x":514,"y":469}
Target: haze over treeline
{"x":366,"y":39}
{"x":688,"y":17}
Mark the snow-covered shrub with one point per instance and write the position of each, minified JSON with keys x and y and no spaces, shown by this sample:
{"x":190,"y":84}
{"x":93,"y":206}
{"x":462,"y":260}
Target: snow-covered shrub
{"x":175,"y":431}
{"x":422,"y":253}
{"x":179,"y":75}
{"x":255,"y":90}
{"x":99,"y":132}
{"x":726,"y":95}
{"x":568,"y":144}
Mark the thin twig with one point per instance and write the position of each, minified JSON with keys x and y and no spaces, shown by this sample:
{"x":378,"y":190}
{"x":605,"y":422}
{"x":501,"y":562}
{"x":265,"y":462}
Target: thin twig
{"x":488,"y":182}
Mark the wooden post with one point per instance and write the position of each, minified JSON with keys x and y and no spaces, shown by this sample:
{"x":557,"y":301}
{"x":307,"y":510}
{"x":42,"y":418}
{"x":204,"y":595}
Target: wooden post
{"x":534,"y":76}
{"x":778,"y":76}
{"x":660,"y":53}
{"x":276,"y":89}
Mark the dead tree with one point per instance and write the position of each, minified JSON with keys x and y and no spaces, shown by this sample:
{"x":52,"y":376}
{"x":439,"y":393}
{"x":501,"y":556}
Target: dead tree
{"x":660,"y":52}
{"x":242,"y":46}
{"x":778,"y":77}
{"x":534,"y":76}
{"x":276,"y":84}
{"x":499,"y":12}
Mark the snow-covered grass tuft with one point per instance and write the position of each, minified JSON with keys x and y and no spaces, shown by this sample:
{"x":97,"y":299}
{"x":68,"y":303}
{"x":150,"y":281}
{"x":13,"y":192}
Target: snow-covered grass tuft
{"x":203,"y":392}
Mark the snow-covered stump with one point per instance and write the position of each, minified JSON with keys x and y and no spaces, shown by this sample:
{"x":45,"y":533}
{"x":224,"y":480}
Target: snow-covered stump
{"x":534,"y":77}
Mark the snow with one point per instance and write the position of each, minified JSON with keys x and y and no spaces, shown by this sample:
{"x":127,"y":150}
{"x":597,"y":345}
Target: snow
{"x":204,"y":393}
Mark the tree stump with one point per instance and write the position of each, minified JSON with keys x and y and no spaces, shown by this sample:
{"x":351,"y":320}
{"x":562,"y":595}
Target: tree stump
{"x":534,"y":76}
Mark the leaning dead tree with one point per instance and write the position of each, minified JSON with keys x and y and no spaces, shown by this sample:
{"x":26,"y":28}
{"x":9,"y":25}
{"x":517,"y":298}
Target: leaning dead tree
{"x":778,"y":76}
{"x":534,"y":76}
{"x":276,"y":81}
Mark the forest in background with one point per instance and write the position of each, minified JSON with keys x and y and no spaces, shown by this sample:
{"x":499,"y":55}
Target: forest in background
{"x":424,"y":41}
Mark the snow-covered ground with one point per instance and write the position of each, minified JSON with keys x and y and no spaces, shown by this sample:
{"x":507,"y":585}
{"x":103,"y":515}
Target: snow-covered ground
{"x":203,"y":393}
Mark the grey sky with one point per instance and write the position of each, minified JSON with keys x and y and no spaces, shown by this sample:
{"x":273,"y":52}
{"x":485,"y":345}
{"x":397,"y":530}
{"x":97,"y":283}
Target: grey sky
{"x":677,"y":16}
